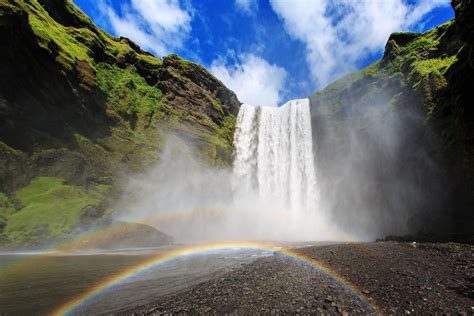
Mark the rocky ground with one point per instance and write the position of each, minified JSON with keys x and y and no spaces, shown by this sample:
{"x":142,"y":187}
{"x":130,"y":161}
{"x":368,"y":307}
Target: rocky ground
{"x":392,"y":278}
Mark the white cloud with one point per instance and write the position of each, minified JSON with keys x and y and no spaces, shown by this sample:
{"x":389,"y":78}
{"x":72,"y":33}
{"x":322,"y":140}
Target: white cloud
{"x":157,"y":25}
{"x":338,"y":34}
{"x":247,"y":6}
{"x":254,"y":80}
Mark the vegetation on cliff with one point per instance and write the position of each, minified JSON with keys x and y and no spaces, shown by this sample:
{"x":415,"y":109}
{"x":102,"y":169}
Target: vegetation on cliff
{"x":79,"y":109}
{"x":407,"y":123}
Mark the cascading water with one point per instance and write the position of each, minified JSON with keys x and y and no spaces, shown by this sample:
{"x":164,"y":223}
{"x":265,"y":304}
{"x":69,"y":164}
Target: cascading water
{"x":274,"y":156}
{"x":272,"y":192}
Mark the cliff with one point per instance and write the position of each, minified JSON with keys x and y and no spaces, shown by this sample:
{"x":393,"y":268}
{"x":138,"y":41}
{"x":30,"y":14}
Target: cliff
{"x":79,"y":109}
{"x":395,"y":140}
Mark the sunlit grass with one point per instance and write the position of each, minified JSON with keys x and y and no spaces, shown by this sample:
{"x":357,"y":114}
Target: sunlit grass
{"x":49,"y":208}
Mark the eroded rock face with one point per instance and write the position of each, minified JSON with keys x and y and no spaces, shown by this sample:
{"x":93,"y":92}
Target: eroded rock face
{"x":395,"y":139}
{"x":88,"y":108}
{"x":190,"y":87}
{"x":49,"y":96}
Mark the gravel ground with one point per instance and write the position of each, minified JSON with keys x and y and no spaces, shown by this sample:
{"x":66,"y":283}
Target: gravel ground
{"x":394,"y":278}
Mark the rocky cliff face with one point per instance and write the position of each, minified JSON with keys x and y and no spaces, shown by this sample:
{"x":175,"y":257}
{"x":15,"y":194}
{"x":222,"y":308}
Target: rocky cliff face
{"x":396,"y":140}
{"x":79,"y":108}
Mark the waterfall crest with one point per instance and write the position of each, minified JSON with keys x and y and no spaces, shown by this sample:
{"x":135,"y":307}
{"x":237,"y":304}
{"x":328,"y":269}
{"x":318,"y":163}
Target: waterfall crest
{"x":274,"y":155}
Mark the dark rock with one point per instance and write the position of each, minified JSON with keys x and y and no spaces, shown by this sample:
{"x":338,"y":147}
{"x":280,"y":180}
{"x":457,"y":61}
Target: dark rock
{"x":59,"y":111}
{"x":93,"y":211}
{"x":3,"y":223}
{"x":124,"y":235}
{"x":422,"y":89}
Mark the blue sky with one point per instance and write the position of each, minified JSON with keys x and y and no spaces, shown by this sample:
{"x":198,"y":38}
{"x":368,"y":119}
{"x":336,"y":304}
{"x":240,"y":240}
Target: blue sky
{"x":268,"y":51}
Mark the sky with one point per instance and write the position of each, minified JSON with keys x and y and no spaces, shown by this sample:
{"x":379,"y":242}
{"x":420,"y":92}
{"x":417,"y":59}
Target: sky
{"x":268,"y":51}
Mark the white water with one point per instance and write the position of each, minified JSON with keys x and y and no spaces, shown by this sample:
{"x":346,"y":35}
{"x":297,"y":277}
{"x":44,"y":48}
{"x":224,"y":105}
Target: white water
{"x":274,"y":194}
{"x":274,"y":156}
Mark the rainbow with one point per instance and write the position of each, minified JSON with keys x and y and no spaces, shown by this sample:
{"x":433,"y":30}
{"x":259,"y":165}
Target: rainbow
{"x":81,"y":300}
{"x":89,"y":238}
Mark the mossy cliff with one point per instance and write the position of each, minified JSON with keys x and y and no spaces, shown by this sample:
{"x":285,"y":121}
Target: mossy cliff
{"x":396,"y":140}
{"x":80,"y":108}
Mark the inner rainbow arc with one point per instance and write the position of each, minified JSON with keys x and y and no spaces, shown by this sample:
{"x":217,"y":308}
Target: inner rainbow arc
{"x":80,"y":300}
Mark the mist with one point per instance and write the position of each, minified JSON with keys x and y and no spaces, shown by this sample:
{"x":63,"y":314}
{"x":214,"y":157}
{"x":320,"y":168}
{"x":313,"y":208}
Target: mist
{"x":299,"y":173}
{"x":193,"y":201}
{"x":379,"y":163}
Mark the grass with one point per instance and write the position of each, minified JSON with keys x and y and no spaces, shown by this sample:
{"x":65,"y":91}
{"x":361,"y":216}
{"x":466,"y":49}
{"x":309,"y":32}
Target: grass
{"x":5,"y":148}
{"x":220,"y":141}
{"x":436,"y":66}
{"x":48,"y":31}
{"x":416,"y":60}
{"x":184,"y":64}
{"x":216,"y":105}
{"x":128,"y":92}
{"x":50,"y":208}
{"x":135,"y":120}
{"x":228,"y":128}
{"x":6,"y":209}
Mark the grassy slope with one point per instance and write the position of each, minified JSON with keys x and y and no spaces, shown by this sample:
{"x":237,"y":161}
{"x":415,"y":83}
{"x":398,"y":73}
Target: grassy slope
{"x":95,"y":110}
{"x":50,"y":208}
{"x":406,"y":68}
{"x":412,"y":76}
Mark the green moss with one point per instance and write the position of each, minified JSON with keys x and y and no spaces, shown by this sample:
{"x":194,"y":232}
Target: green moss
{"x":422,"y":43}
{"x":99,"y":191}
{"x":6,"y":207}
{"x":151,"y":60}
{"x":50,"y":209}
{"x":218,"y":107}
{"x":428,"y":41}
{"x":423,"y":47}
{"x":5,"y":148}
{"x":79,"y":15}
{"x":228,"y":128}
{"x":419,"y":63}
{"x":220,"y":140}
{"x":330,"y":99}
{"x":187,"y":66}
{"x":55,"y":38}
{"x":436,"y":66}
{"x":128,"y":119}
{"x":128,"y":92}
{"x":87,"y":37}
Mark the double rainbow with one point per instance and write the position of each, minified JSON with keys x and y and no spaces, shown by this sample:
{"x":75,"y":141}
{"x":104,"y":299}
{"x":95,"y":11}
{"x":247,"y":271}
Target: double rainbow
{"x":93,"y":236}
{"x":83,"y":299}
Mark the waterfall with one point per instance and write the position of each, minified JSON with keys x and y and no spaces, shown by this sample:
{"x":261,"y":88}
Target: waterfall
{"x":274,"y":155}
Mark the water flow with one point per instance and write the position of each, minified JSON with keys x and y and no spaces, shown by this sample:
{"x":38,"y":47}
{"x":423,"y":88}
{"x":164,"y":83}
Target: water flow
{"x":274,"y":194}
{"x":274,"y":156}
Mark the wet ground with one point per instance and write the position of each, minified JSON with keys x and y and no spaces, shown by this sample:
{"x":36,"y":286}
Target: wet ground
{"x":387,"y":278}
{"x":36,"y":284}
{"x":384,"y":278}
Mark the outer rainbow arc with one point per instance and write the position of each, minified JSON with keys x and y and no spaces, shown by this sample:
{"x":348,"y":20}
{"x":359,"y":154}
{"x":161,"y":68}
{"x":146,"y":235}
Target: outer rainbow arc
{"x":96,"y":235}
{"x":72,"y":305}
